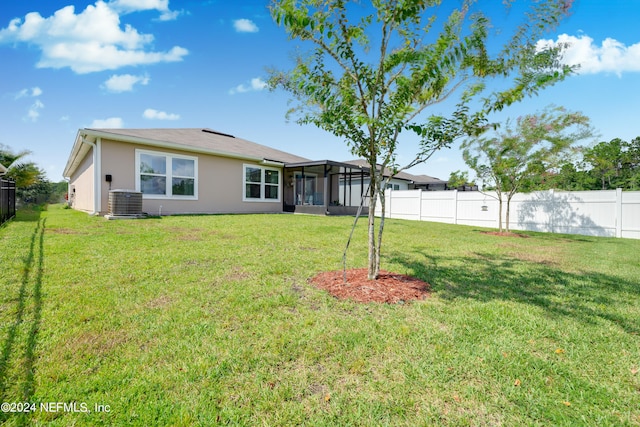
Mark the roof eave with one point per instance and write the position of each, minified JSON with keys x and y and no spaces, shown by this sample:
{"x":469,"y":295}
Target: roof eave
{"x":74,"y":158}
{"x":92,"y":135}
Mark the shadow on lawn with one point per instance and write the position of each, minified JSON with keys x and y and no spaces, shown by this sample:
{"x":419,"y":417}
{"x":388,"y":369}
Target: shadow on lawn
{"x":485,"y":277}
{"x":23,"y":331}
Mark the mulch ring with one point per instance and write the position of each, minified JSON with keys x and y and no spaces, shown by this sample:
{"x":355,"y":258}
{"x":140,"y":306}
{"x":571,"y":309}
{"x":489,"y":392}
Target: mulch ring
{"x":389,"y":287}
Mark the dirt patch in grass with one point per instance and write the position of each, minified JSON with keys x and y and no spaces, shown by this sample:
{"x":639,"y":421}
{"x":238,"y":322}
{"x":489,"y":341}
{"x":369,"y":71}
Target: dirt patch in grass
{"x":97,"y":343}
{"x":388,"y":287}
{"x":160,"y":302}
{"x":505,"y":234}
{"x":549,"y":259}
{"x":63,"y":231}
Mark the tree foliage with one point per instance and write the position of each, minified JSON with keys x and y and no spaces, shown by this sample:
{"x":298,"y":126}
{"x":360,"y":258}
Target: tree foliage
{"x":32,"y":186}
{"x":614,"y":164}
{"x":519,"y":154}
{"x":459,"y":179}
{"x":23,"y":173}
{"x":376,"y":73}
{"x":606,"y":165}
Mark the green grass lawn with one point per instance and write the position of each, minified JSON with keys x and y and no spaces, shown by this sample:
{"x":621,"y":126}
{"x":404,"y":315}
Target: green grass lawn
{"x":206,"y":320}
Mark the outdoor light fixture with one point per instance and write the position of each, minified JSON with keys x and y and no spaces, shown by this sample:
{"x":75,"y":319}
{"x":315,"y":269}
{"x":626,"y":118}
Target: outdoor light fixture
{"x":484,"y":208}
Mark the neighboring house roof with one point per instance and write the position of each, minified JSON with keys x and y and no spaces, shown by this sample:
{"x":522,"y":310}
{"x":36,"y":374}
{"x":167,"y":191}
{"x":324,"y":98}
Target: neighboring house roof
{"x":3,"y":170}
{"x":426,"y":179}
{"x":198,"y":140}
{"x":416,"y":179}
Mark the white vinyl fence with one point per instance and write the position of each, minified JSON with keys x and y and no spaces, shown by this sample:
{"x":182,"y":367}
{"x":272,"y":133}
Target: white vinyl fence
{"x":610,"y":213}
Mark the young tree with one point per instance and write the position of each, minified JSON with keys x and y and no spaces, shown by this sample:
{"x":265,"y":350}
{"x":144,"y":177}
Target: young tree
{"x":377,"y":72}
{"x":522,"y":151}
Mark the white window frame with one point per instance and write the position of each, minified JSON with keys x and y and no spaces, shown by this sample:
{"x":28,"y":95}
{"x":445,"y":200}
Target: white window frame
{"x":262,"y":183}
{"x":169,"y":175}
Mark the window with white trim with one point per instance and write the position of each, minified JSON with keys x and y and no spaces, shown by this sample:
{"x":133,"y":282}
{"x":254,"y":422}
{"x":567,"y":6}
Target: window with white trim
{"x":164,"y":175}
{"x":261,"y":184}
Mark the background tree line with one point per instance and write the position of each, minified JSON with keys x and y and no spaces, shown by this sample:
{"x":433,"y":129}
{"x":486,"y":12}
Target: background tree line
{"x":606,"y":165}
{"x":32,"y":185}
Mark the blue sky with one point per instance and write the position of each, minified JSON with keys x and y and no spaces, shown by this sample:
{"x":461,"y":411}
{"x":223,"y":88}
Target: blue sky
{"x":66,"y":65}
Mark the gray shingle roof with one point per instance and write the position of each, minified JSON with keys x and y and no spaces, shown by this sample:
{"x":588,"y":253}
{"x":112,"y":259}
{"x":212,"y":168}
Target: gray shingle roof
{"x":204,"y":140}
{"x":417,"y":179}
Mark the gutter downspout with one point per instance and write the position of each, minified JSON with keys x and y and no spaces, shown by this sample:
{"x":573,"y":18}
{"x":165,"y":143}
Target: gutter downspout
{"x":98,"y":175}
{"x":95,"y":147}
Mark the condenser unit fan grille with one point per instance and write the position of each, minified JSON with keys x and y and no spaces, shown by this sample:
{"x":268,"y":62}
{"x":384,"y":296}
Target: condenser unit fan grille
{"x":125,"y":203}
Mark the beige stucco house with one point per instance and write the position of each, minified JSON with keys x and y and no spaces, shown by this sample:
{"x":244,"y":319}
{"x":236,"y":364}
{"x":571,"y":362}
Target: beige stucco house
{"x":194,"y":170}
{"x":177,"y":171}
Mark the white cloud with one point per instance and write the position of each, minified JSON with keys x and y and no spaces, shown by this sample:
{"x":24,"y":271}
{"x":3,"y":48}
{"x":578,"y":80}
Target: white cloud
{"x":129,"y":6}
{"x":90,"y":41}
{"x":256,"y":84}
{"x":245,"y":26}
{"x":152,"y":114}
{"x":125,"y":82}
{"x":110,"y":123}
{"x":33,"y":92}
{"x":611,"y":56}
{"x":34,"y":111}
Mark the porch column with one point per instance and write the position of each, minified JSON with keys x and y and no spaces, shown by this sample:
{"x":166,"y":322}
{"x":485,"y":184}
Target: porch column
{"x":326,"y":187}
{"x":344,"y":195}
{"x":302,"y":196}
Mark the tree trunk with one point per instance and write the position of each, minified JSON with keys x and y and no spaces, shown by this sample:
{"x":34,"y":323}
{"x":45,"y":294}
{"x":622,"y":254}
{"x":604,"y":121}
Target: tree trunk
{"x":506,"y":219}
{"x":383,"y":205}
{"x":500,"y":214}
{"x":374,"y":257}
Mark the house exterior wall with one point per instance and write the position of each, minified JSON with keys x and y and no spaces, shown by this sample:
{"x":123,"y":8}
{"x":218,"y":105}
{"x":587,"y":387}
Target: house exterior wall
{"x":81,"y":185}
{"x":219,"y":181}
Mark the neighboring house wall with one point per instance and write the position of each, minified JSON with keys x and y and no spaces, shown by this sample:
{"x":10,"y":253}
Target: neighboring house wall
{"x":429,"y":187}
{"x":219,"y":180}
{"x":81,"y":185}
{"x":358,"y":188}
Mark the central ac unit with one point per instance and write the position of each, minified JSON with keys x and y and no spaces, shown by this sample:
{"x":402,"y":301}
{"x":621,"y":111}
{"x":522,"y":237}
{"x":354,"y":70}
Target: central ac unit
{"x":125,"y":203}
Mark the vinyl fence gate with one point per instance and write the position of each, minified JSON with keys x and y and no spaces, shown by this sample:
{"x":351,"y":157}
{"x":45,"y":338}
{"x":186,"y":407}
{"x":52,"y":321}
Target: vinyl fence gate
{"x":7,"y":200}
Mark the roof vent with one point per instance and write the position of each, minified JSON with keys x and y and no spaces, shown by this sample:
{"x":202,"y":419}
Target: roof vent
{"x":217,"y":133}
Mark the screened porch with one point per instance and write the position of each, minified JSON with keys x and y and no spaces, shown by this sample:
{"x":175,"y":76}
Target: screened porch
{"x":325,"y":188}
